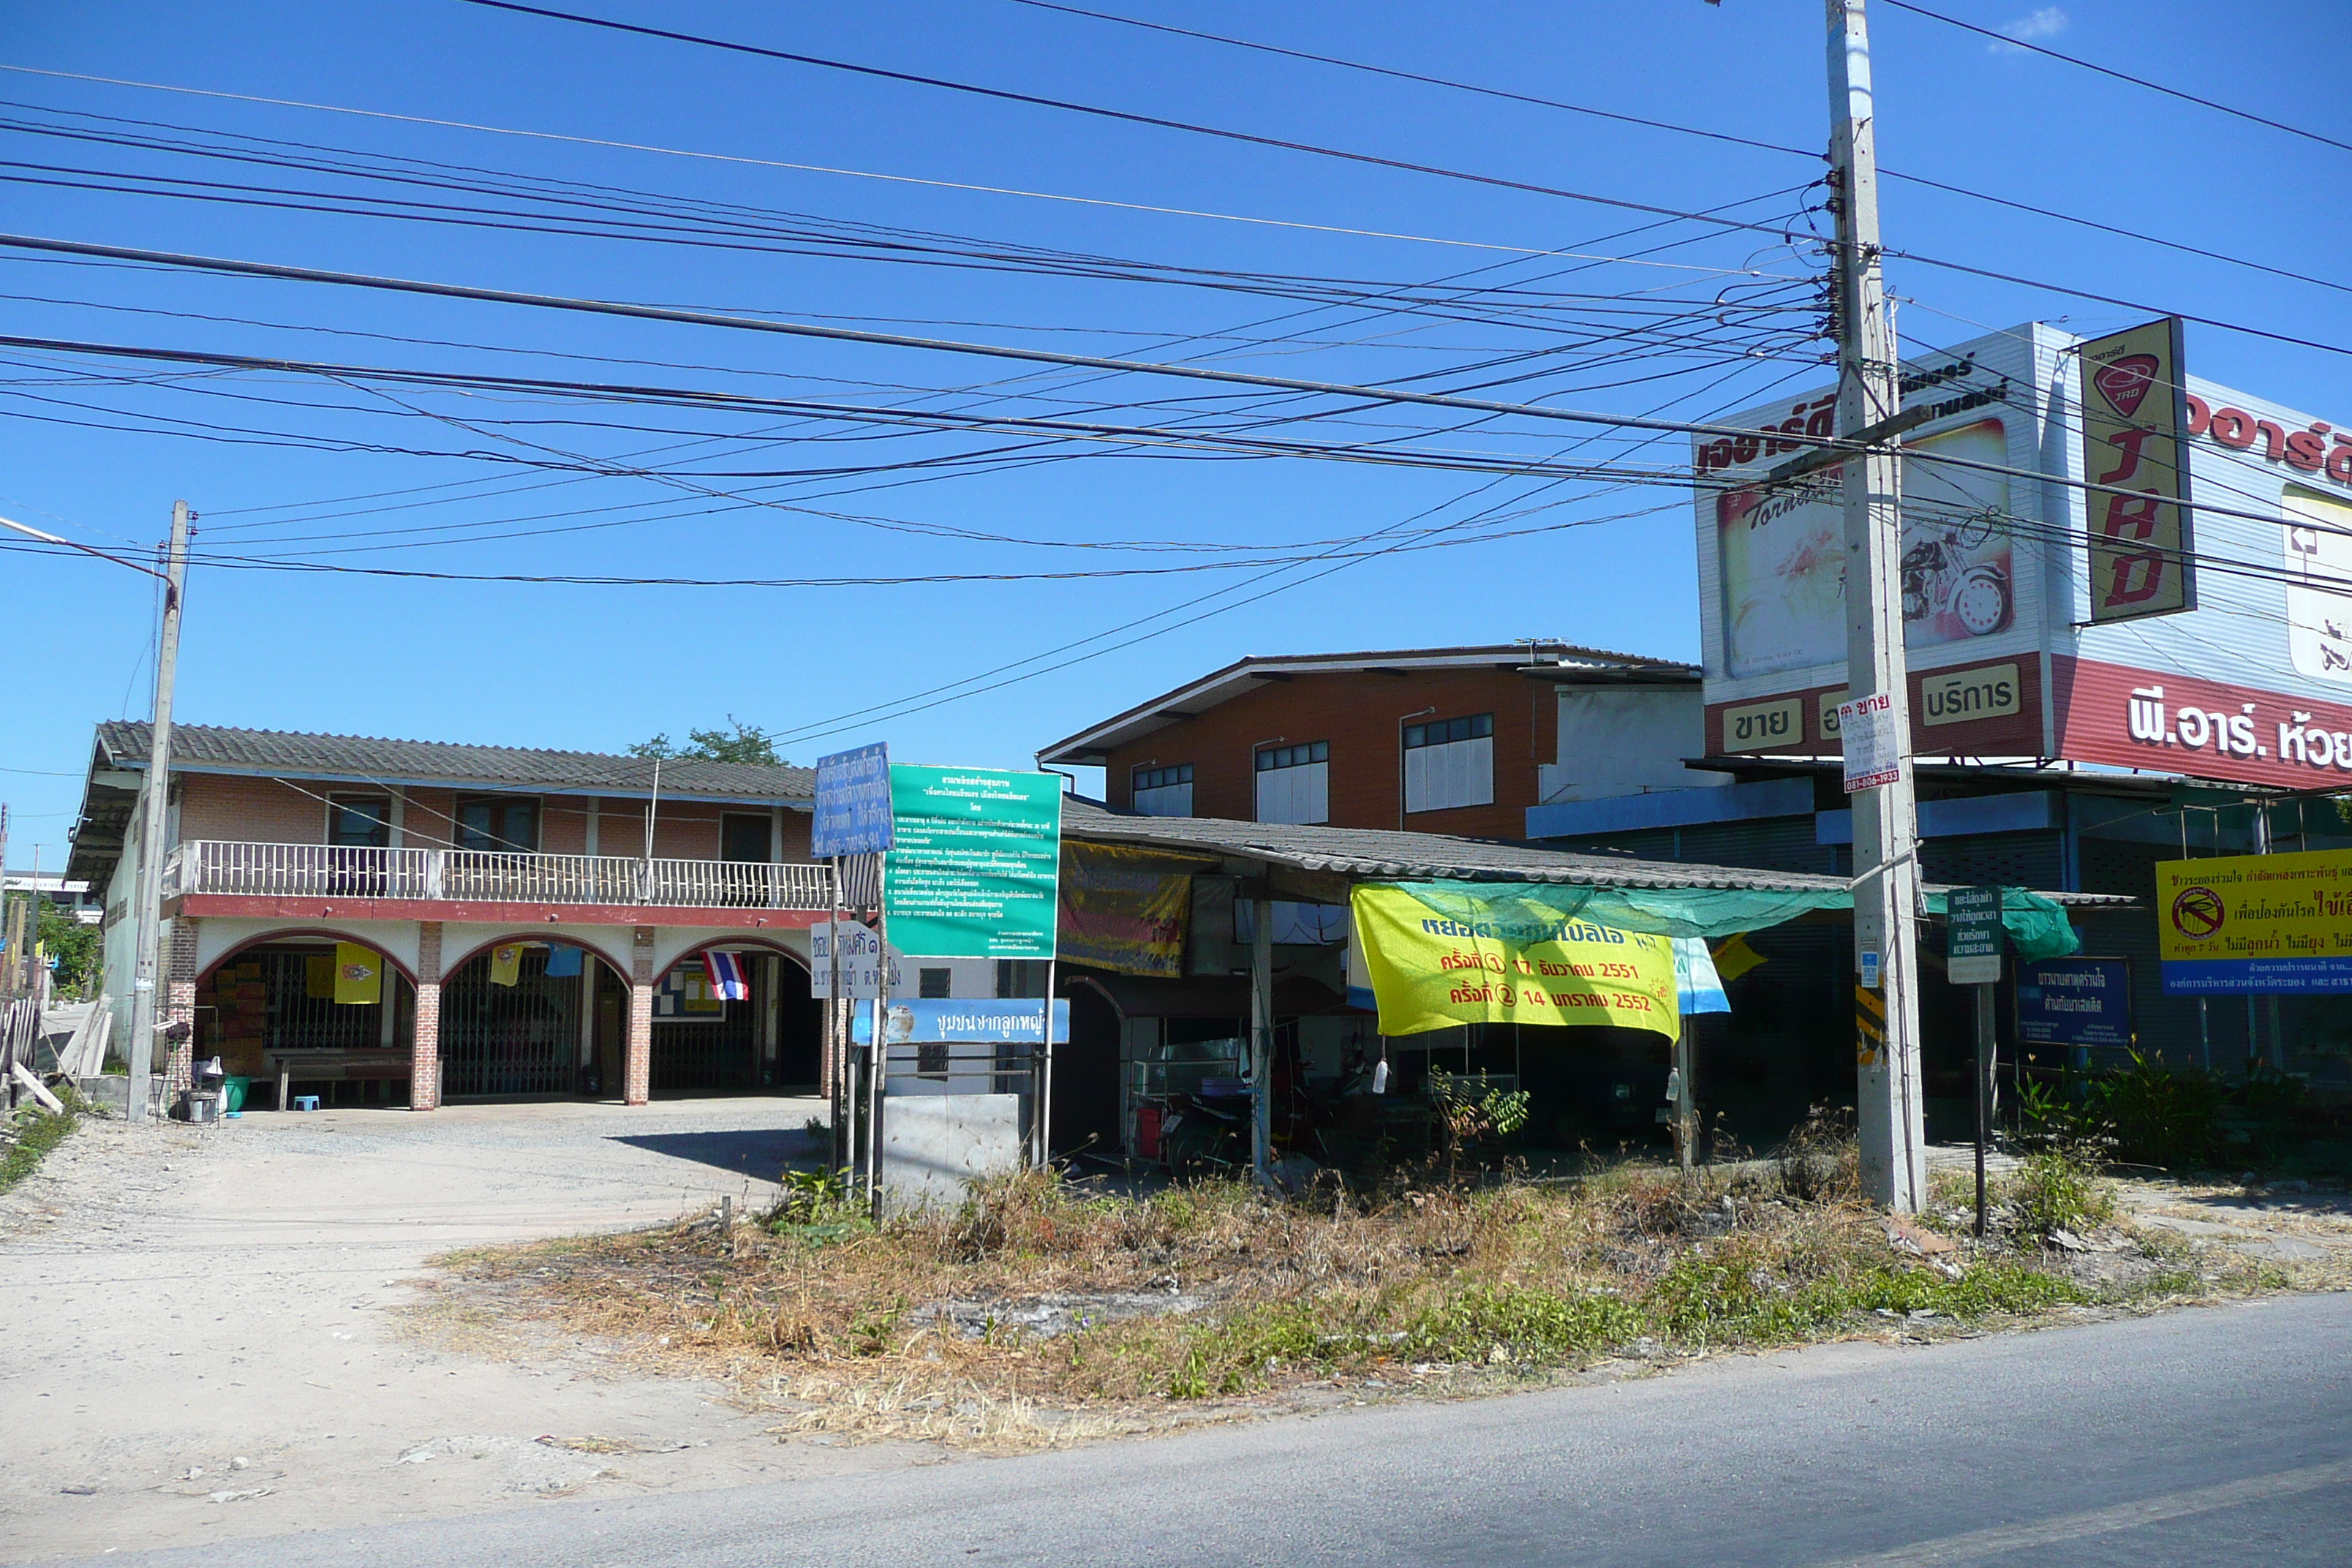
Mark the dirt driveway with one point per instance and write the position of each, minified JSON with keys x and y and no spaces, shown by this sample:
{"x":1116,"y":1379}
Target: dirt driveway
{"x":200,"y":1343}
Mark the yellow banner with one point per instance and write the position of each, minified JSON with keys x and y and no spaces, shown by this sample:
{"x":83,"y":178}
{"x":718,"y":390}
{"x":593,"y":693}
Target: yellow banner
{"x":359,"y":975}
{"x":2255,"y":907}
{"x":506,"y":963}
{"x":1432,"y":973}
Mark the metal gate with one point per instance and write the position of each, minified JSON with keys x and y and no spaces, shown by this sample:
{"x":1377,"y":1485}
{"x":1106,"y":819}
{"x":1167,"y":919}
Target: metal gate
{"x":718,"y":1052}
{"x":523,"y":1038}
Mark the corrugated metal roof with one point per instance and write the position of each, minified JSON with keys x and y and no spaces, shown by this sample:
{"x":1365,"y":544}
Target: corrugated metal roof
{"x":1415,"y":857}
{"x":124,"y":743}
{"x":1381,"y":856}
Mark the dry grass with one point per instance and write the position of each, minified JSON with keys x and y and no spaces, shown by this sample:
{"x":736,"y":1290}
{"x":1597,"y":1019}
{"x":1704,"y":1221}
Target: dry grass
{"x":1042,"y":1314}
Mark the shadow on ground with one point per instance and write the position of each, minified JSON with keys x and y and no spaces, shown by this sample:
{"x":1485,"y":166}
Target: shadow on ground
{"x":758,"y":1151}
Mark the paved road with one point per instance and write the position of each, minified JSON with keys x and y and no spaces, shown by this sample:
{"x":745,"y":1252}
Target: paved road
{"x":2212,"y":1437}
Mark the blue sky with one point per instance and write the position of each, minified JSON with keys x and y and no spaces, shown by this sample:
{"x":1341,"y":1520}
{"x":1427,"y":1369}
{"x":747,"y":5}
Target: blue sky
{"x":597,"y":667}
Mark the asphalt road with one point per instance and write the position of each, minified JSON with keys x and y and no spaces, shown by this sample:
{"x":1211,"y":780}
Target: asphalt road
{"x":2212,"y":1437}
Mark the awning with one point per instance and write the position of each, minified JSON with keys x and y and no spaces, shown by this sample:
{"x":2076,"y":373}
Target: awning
{"x":2037,"y":926}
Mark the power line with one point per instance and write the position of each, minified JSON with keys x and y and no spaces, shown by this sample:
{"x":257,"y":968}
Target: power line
{"x":892,"y":339}
{"x":1787,"y":234}
{"x":2014,"y":43}
{"x":815,"y":168}
{"x":1485,"y":90}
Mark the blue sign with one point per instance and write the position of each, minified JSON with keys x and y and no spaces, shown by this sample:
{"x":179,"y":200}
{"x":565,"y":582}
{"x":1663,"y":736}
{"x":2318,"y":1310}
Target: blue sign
{"x":853,"y":802}
{"x":2257,"y":976}
{"x":2074,"y":1001}
{"x":929,"y":1023}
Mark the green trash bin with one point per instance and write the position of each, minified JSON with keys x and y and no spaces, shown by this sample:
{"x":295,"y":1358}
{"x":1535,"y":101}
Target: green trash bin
{"x":233,"y":1092}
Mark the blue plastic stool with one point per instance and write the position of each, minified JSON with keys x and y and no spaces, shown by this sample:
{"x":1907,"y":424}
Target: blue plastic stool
{"x":306,"y":1102}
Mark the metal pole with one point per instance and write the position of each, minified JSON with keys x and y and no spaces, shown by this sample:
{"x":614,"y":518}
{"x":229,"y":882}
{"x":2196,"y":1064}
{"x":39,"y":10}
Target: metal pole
{"x":1887,"y":870}
{"x":878,"y":1066}
{"x":1986,"y":1047}
{"x":836,"y":1029}
{"x":1261,"y":1039}
{"x":1045,"y":1092}
{"x":153,"y":825}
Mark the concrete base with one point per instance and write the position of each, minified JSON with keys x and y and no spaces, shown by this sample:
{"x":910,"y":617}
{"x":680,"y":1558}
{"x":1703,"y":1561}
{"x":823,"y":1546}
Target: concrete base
{"x":110,"y":1093}
{"x":933,"y":1145}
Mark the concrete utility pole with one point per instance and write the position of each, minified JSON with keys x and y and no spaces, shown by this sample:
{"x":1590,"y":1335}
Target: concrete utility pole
{"x":155,"y":802}
{"x":1886,"y":830}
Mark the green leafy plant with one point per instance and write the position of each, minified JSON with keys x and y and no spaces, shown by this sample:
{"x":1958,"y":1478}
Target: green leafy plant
{"x":2052,"y":1190}
{"x":2159,"y":1115}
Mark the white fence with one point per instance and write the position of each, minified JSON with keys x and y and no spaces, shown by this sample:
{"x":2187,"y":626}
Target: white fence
{"x":477,"y":876}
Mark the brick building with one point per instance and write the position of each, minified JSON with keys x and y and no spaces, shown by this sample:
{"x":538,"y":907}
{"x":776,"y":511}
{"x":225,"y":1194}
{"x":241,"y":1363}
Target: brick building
{"x":526,"y":934}
{"x":1457,"y":741}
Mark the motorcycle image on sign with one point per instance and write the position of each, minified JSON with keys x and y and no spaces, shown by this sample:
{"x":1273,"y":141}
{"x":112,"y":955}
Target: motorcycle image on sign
{"x":1934,"y":581}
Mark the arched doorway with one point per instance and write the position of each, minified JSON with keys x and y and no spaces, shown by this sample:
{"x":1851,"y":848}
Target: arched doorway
{"x":704,"y":1044}
{"x":531,"y":1016}
{"x":263,"y":1004}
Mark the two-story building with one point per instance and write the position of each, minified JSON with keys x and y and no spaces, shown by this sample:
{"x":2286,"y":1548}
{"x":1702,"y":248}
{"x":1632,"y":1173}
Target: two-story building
{"x":361,"y":918}
{"x":1460,"y":741}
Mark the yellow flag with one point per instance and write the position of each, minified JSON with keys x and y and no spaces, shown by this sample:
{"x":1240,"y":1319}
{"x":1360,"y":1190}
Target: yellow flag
{"x":506,"y":963}
{"x":1736,"y":958}
{"x":1429,"y":971}
{"x":319,"y":977}
{"x":359,"y":975}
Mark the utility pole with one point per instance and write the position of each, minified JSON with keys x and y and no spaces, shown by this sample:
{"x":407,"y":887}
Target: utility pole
{"x":154,"y":805}
{"x":1886,"y":830}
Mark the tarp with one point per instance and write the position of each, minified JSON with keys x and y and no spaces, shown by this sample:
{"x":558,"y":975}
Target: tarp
{"x":1431,"y":972}
{"x":1125,"y":910}
{"x":2037,"y":927}
{"x":1697,"y":986}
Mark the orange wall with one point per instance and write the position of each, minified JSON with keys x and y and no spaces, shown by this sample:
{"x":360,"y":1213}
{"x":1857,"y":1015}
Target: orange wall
{"x":1360,"y":715}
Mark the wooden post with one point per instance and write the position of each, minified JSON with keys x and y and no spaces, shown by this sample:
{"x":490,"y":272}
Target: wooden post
{"x":1262,"y":1038}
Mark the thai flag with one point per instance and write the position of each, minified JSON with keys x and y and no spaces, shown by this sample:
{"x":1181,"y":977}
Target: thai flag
{"x":728,"y":982}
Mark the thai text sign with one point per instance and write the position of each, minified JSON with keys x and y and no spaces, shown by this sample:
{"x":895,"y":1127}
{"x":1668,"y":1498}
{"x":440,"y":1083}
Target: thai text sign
{"x":853,"y":802}
{"x":2256,"y":922}
{"x":860,"y":953}
{"x":952,"y":1023}
{"x":975,"y":857}
{"x":2074,"y":1001}
{"x":2133,"y":401}
{"x":1873,"y":744}
{"x":1430,"y":971}
{"x":1972,"y":941}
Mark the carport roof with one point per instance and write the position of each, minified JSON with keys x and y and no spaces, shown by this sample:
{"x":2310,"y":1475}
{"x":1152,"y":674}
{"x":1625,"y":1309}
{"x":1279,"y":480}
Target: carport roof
{"x":1357,"y":854}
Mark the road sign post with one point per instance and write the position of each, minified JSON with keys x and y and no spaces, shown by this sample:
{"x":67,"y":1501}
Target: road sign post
{"x":1972,"y":958}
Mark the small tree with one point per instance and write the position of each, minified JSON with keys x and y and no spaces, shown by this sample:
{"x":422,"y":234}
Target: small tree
{"x":744,"y":745}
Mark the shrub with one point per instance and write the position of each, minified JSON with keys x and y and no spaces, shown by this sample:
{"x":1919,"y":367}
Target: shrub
{"x":2157,"y":1115}
{"x":2053,"y":1191}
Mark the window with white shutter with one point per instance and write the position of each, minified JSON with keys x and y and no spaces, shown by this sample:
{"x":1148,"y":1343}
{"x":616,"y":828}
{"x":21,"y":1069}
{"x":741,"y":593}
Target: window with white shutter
{"x":1294,"y":783}
{"x":1449,"y":762}
{"x":1162,"y":791}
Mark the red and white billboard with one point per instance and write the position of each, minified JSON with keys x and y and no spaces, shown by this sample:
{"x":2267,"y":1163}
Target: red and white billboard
{"x":2237,"y":665}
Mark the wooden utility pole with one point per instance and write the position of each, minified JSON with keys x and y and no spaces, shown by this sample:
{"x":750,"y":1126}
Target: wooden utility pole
{"x":1886,"y":830}
{"x":154,"y":809}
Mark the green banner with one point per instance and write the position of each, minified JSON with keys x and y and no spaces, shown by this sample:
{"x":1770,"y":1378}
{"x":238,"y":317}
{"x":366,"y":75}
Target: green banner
{"x":974,"y":860}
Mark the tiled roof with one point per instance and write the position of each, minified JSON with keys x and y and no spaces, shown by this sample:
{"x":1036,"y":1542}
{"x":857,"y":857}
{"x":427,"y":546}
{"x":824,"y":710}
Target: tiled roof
{"x":125,"y":744}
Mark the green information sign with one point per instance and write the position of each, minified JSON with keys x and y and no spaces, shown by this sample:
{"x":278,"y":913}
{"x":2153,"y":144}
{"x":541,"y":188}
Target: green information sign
{"x":975,"y":855}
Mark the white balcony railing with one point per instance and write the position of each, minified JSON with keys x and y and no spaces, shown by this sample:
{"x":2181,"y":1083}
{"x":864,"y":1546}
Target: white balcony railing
{"x":475,"y":875}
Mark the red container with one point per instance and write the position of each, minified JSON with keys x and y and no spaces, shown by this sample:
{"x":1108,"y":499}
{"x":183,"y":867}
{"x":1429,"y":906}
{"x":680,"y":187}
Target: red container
{"x":1147,"y":1131}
